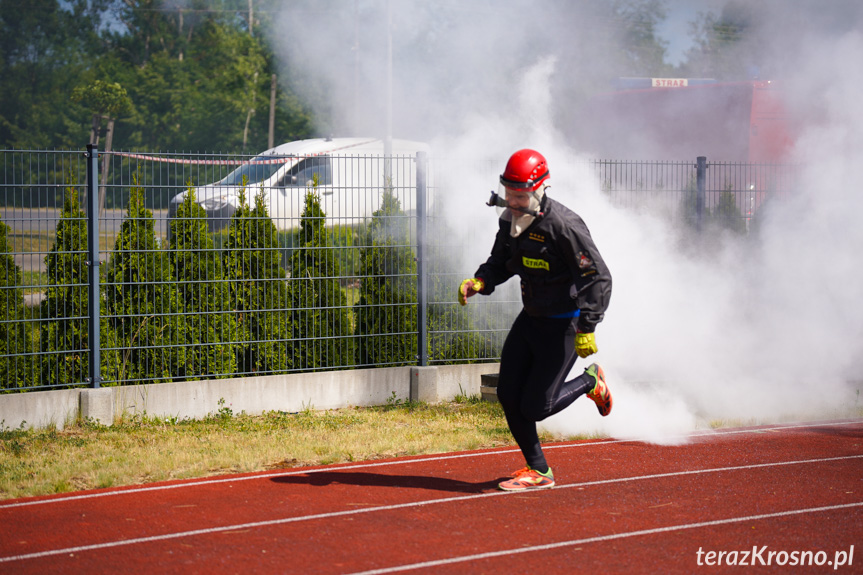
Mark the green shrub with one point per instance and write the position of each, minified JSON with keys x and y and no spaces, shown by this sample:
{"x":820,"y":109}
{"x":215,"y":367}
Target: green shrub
{"x":726,"y":215}
{"x":452,"y":333}
{"x":259,"y":291}
{"x":13,"y":334}
{"x":204,"y":296}
{"x":321,"y":327}
{"x":67,"y":307}
{"x":386,"y":313}
{"x":344,"y":239}
{"x":142,"y":305}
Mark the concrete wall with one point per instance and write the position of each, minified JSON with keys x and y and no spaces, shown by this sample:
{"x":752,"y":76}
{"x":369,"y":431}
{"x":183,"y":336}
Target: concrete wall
{"x":253,"y":395}
{"x":39,"y":408}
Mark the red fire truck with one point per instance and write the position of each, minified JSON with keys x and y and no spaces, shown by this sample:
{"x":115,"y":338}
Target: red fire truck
{"x":742,"y":129}
{"x":680,"y":119}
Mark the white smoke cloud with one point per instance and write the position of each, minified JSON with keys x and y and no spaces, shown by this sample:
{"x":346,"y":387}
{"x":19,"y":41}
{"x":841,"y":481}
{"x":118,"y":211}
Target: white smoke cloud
{"x":755,"y":332}
{"x":752,"y":334}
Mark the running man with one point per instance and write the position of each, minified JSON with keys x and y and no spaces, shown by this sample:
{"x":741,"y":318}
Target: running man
{"x":565,"y":289}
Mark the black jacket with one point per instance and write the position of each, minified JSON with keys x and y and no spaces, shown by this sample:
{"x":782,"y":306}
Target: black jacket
{"x":560,"y":268}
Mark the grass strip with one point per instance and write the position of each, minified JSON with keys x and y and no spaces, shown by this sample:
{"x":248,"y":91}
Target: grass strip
{"x":139,"y":449}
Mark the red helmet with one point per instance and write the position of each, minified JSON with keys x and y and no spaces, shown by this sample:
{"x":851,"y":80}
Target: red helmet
{"x":525,"y":170}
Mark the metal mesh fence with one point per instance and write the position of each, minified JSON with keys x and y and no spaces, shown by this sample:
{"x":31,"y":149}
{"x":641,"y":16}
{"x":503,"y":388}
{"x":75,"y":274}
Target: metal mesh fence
{"x":216,"y":266}
{"x":732,"y":197}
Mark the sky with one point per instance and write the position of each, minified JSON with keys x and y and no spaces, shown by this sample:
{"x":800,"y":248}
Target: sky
{"x":748,"y":334}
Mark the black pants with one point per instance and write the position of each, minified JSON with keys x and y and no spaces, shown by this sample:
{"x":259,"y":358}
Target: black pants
{"x":538,"y":354}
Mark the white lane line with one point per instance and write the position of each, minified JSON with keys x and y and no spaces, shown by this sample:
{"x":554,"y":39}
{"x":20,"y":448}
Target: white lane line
{"x":334,"y":514}
{"x":366,"y":465}
{"x":548,"y":546}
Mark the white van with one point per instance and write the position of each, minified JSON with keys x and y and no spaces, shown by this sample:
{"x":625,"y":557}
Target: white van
{"x":351,"y":175}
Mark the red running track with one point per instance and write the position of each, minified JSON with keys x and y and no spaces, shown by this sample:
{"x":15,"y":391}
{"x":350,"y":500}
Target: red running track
{"x":770,"y":499}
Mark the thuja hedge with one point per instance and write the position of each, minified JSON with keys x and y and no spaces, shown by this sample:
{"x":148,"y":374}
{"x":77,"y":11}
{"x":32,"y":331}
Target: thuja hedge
{"x":249,"y":299}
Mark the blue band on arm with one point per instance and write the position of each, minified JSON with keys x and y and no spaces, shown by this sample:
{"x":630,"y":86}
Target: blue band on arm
{"x":574,"y":313}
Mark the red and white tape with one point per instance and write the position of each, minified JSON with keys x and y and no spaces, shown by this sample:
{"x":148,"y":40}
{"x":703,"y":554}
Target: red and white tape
{"x":279,"y":160}
{"x":199,"y":162}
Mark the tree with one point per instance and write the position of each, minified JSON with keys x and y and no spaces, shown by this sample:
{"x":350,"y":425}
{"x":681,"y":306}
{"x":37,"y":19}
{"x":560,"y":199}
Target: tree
{"x":146,"y":27}
{"x":45,"y":46}
{"x":246,"y":64}
{"x":726,"y":47}
{"x":203,"y":293}
{"x":259,"y":293}
{"x":106,"y":100}
{"x":641,"y":46}
{"x":321,"y":327}
{"x":191,"y":72}
{"x":142,"y":304}
{"x":386,"y":313}
{"x":205,"y":100}
{"x":13,"y":335}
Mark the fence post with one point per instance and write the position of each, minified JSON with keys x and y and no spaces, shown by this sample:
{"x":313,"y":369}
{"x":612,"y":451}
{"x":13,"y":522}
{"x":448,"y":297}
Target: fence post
{"x":700,"y":178}
{"x":93,"y":262}
{"x":422,"y":320}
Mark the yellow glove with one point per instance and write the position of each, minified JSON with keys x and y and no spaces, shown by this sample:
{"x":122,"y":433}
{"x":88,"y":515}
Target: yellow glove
{"x":585,"y":344}
{"x":468,"y":288}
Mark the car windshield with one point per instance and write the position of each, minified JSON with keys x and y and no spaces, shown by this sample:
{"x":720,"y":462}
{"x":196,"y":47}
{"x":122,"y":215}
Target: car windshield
{"x":257,"y":170}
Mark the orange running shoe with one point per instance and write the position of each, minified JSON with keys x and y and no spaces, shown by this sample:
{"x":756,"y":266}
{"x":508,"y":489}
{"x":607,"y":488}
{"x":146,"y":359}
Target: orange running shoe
{"x":528,"y":478}
{"x":599,"y":394}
